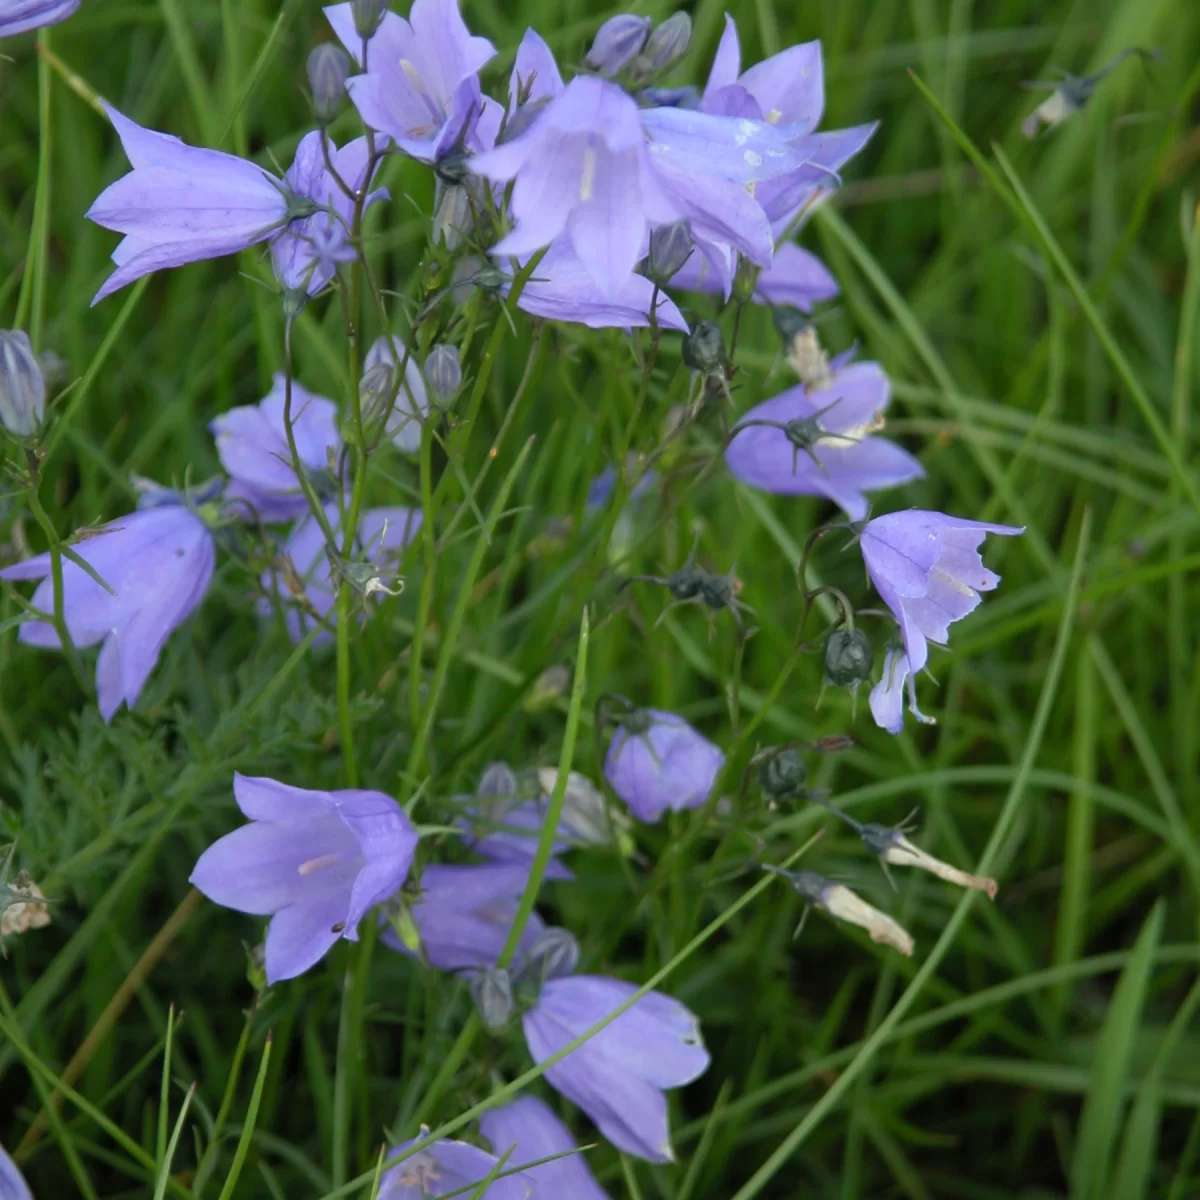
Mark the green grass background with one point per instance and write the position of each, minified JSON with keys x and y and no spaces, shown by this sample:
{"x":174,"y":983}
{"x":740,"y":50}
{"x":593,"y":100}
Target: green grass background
{"x":1042,"y":1046}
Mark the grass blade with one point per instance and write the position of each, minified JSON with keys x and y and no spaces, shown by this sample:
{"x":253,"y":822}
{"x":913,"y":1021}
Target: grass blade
{"x":1099,"y":1122}
{"x":243,"y":1146}
{"x":164,"y":1170}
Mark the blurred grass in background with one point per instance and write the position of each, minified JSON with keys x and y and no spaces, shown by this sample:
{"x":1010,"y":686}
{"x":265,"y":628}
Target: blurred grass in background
{"x":1021,"y":1067}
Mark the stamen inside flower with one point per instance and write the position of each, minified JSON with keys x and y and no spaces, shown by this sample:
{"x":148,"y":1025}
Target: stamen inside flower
{"x":315,"y":864}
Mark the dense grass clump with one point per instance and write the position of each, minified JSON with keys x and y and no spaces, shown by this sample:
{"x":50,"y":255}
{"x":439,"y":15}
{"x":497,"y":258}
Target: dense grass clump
{"x":1035,"y":305}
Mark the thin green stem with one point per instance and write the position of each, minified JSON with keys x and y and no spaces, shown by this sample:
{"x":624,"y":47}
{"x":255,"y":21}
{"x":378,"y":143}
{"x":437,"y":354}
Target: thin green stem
{"x":56,"y":577}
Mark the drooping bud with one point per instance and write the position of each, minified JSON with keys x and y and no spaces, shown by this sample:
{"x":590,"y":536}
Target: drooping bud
{"x":893,"y":847}
{"x":844,"y":905}
{"x":784,"y":776}
{"x":670,"y":247}
{"x":328,"y":69}
{"x":368,"y":16}
{"x":497,"y":780}
{"x":492,"y":992}
{"x":443,"y":372}
{"x":704,"y":348}
{"x":22,"y":387}
{"x":617,"y":41}
{"x":668,"y":43}
{"x":848,"y":658}
{"x":554,"y":953}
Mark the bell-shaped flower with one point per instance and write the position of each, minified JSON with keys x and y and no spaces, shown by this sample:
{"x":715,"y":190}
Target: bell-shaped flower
{"x":307,"y":254}
{"x":528,"y":1131}
{"x":12,"y":1182}
{"x":158,"y":563}
{"x":315,"y":862}
{"x":656,"y":761}
{"x":618,"y":1075}
{"x":449,"y":1168}
{"x":563,"y":289}
{"x":304,"y":581}
{"x":420,"y":81}
{"x":464,"y":913}
{"x":181,"y":204}
{"x":927,"y":570}
{"x":19,"y":16}
{"x":253,"y":448}
{"x":819,"y":442}
{"x":582,"y":170}
{"x":411,"y":396}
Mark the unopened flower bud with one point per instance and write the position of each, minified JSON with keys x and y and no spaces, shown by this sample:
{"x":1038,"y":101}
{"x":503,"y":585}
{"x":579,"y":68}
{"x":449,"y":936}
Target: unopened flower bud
{"x":443,"y":372}
{"x":783,"y":776}
{"x":497,"y":780}
{"x":848,"y":658}
{"x":368,"y":16}
{"x":704,"y":348}
{"x":375,"y":390}
{"x":554,"y":953}
{"x":492,"y":992}
{"x":670,"y":247}
{"x":328,"y":69}
{"x":668,"y":43}
{"x":22,"y":387}
{"x":617,"y":41}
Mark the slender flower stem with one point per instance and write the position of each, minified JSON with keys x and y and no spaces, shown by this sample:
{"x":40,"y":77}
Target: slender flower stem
{"x":310,"y":494}
{"x":425,"y":600}
{"x":56,"y":576}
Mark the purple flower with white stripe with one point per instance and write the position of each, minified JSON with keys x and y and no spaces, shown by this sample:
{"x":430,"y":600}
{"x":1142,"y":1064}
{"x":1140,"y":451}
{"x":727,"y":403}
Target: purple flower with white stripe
{"x":528,"y":1131}
{"x":656,"y":761}
{"x":618,"y":1075}
{"x":582,"y":170}
{"x":315,"y":862}
{"x":181,"y":204}
{"x":819,"y":443}
{"x":20,"y":16}
{"x":420,"y":85}
{"x":253,"y":448}
{"x":452,"y":1168}
{"x":158,"y":563}
{"x":927,"y":569}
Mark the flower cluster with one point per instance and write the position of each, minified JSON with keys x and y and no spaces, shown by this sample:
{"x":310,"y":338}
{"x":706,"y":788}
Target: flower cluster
{"x":597,"y":197}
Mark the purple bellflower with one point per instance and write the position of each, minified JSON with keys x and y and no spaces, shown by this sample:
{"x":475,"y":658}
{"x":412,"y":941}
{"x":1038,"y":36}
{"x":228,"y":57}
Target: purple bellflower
{"x":927,"y":569}
{"x":562,"y":289}
{"x":19,"y":16}
{"x":308,"y":253}
{"x":12,"y":1182}
{"x":617,"y":1076}
{"x":420,"y":83}
{"x":412,"y":397}
{"x":181,"y":204}
{"x":887,"y":696}
{"x":582,"y":170}
{"x":452,"y":1168}
{"x":315,"y":862}
{"x":529,"y":1129}
{"x":253,"y":448}
{"x":464,"y":914}
{"x":382,"y":534}
{"x":819,"y":443}
{"x":657,"y":761}
{"x":786,"y":90}
{"x":158,"y":563}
